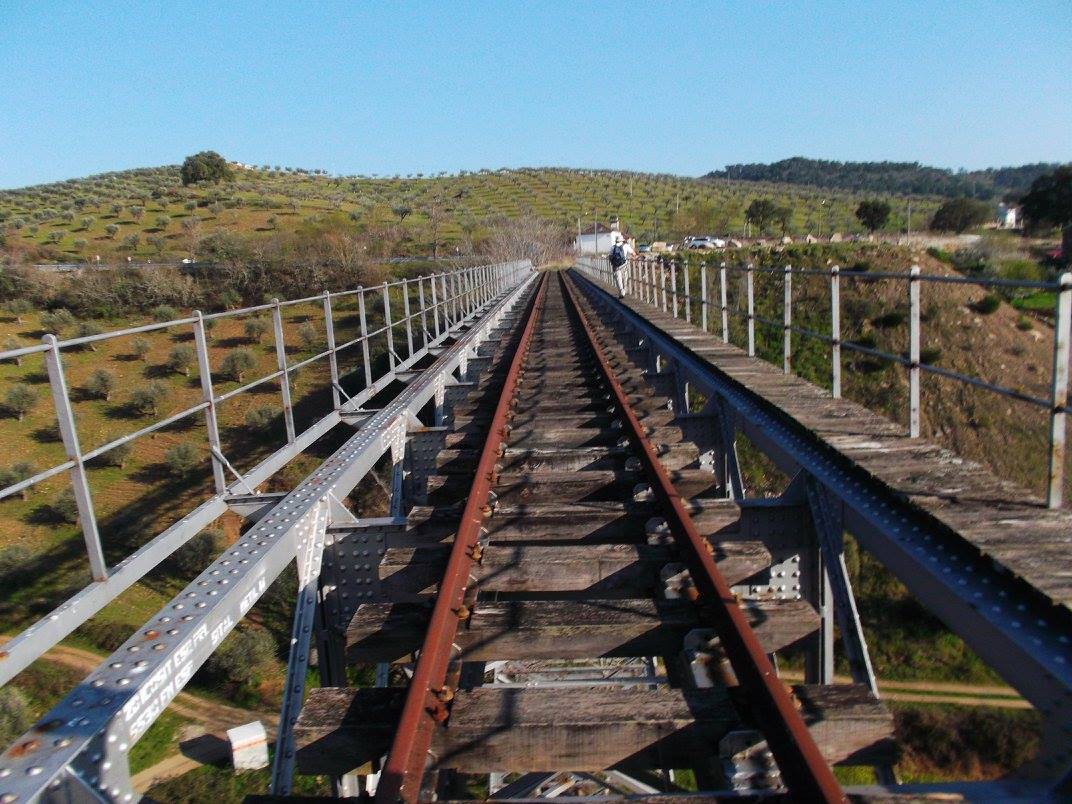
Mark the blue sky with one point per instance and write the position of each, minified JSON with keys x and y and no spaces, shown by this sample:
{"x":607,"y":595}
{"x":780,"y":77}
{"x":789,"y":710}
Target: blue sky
{"x":422,"y":87}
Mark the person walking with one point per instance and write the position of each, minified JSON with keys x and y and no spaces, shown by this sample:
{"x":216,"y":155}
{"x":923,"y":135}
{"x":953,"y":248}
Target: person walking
{"x":619,"y":255}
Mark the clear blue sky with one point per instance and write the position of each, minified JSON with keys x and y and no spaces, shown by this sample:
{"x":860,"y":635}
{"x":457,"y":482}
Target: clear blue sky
{"x":423,"y":87}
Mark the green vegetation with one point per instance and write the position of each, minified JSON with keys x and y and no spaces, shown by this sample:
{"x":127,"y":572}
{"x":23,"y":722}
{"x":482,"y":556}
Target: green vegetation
{"x":960,"y":214}
{"x":237,"y":363}
{"x":1049,"y":201}
{"x":873,"y":213}
{"x":100,"y":384}
{"x":372,"y":217}
{"x":182,"y":459}
{"x":146,"y":400}
{"x":205,"y":166}
{"x":15,"y":714}
{"x":19,"y":400}
{"x":889,"y":177}
{"x":988,"y":304}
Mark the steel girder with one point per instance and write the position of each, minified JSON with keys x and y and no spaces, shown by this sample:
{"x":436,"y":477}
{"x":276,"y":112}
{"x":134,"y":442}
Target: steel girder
{"x":1011,"y":626}
{"x":83,"y":742}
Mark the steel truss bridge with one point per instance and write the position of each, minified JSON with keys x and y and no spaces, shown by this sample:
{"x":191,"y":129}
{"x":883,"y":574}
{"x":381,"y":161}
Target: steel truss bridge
{"x":573,"y":594}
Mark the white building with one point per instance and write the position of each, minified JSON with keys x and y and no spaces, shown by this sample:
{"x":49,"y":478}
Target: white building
{"x":1008,"y":216}
{"x":598,"y":239}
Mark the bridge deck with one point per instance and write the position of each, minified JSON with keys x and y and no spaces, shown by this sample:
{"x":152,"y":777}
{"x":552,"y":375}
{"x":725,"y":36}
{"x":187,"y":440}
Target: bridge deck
{"x":1003,"y":521}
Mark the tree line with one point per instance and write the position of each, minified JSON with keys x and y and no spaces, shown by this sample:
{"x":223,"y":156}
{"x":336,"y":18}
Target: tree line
{"x":898,"y":178}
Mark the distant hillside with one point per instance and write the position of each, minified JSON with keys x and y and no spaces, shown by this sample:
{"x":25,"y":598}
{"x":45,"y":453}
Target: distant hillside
{"x":898,"y":178}
{"x":148,"y":213}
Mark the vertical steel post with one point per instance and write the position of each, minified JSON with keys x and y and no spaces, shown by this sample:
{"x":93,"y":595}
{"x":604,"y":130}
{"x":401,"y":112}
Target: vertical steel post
{"x":688,"y":296}
{"x":423,"y":311}
{"x":750,"y":283}
{"x":79,"y":482}
{"x":722,"y":303}
{"x":281,"y":361}
{"x":435,"y":305}
{"x":364,"y":336}
{"x":703,"y":295}
{"x":204,"y":370}
{"x":333,"y":355}
{"x":673,"y":283}
{"x":913,"y":352}
{"x":387,"y":325}
{"x":405,"y":313}
{"x":835,"y":331}
{"x":1059,"y":393}
{"x":662,"y":280}
{"x":787,"y":319}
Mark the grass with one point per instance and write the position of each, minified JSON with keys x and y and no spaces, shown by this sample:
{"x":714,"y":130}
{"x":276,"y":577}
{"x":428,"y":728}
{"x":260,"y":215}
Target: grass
{"x":159,"y":742}
{"x":222,"y":785}
{"x":457,"y":207}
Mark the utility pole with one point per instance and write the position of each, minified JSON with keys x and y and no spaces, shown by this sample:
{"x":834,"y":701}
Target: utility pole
{"x":909,"y":216}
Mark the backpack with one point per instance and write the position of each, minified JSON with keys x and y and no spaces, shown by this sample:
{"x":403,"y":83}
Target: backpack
{"x":617,"y":256}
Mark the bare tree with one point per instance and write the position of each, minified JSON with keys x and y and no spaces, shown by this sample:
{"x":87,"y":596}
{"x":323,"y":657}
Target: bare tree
{"x":527,"y":238}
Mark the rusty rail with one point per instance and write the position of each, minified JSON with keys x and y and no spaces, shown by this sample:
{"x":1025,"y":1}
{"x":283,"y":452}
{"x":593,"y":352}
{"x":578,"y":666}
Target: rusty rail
{"x":428,"y":697}
{"x":805,"y":772}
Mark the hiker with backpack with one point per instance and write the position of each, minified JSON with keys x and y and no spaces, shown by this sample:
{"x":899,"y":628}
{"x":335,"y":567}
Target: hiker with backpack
{"x":619,"y":256}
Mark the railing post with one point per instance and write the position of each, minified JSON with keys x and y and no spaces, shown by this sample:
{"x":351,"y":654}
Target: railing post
{"x":364,"y":336}
{"x":787,"y":319}
{"x":750,"y":284}
{"x":688,"y":296}
{"x":423,"y":311}
{"x":333,"y":355}
{"x":722,"y":303}
{"x":1061,"y":333}
{"x":388,"y":326}
{"x":913,"y":352}
{"x":79,"y":482}
{"x":835,"y":331}
{"x":281,"y":360}
{"x":673,"y":283}
{"x":435,"y":305}
{"x":662,"y":280}
{"x":653,"y":291}
{"x":703,"y":295}
{"x":204,"y":370}
{"x":405,"y":313}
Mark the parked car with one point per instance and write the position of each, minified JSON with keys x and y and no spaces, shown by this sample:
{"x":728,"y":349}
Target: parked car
{"x":704,"y":243}
{"x":643,"y":248}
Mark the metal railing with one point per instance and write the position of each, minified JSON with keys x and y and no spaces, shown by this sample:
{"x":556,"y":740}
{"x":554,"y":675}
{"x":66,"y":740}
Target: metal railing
{"x":433,"y":308}
{"x":655,"y":281}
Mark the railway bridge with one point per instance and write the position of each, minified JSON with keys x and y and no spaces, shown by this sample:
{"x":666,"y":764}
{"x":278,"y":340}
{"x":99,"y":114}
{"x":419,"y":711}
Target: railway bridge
{"x":573,"y":593}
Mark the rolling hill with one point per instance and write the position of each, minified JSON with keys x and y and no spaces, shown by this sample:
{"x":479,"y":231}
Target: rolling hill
{"x":148,"y":214}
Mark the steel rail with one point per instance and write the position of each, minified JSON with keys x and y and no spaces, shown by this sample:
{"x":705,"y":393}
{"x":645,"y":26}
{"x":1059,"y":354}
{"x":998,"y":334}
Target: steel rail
{"x":807,"y":775}
{"x":427,"y":698}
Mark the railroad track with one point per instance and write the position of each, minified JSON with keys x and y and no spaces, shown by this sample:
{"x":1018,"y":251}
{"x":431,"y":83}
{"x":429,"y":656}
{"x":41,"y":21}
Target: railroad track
{"x":573,"y":600}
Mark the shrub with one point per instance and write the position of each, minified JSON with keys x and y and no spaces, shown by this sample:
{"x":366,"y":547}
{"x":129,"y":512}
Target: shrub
{"x":146,"y":399}
{"x":988,"y":304}
{"x":87,"y":329}
{"x":261,"y":419}
{"x":65,"y":507}
{"x":181,"y":459}
{"x":116,"y":456}
{"x":941,"y":255}
{"x":867,"y":341}
{"x":930,"y":355}
{"x":140,"y":347}
{"x":255,"y":329}
{"x":16,"y":473}
{"x":959,"y":214}
{"x":164,"y":312}
{"x":10,"y":344}
{"x":87,"y":222}
{"x":162,"y":221}
{"x":195,"y":556}
{"x":55,"y":321}
{"x":308,"y":335}
{"x":100,"y":384}
{"x":112,"y":230}
{"x":861,"y":265}
{"x":79,"y":244}
{"x":131,"y":241}
{"x":180,"y":359}
{"x":12,"y":561}
{"x":1023,"y":323}
{"x":19,"y":400}
{"x":56,"y":235}
{"x":236,"y":363}
{"x":240,"y":656}
{"x":18,"y":308}
{"x":230,"y":299}
{"x":205,"y":166}
{"x":16,"y":716}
